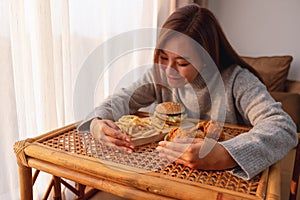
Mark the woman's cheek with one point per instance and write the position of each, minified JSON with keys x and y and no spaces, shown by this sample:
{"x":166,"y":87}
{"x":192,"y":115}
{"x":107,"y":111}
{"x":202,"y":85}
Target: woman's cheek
{"x":185,"y":74}
{"x":190,"y":74}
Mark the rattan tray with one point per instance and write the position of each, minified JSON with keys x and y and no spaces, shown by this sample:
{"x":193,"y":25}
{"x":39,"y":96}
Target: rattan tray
{"x":144,"y":160}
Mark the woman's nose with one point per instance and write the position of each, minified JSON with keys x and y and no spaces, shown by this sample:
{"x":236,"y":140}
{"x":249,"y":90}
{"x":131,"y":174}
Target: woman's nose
{"x":171,"y":64}
{"x":171,"y":68}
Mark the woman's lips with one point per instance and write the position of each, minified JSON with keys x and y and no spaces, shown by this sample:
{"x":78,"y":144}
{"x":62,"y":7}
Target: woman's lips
{"x":174,"y":77}
{"x":176,"y":81}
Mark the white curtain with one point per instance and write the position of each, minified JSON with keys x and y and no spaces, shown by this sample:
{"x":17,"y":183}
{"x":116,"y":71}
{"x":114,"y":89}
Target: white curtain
{"x":43,"y":44}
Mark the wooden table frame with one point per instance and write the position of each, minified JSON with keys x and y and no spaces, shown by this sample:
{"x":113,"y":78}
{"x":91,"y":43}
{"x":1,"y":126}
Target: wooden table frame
{"x":123,"y":181}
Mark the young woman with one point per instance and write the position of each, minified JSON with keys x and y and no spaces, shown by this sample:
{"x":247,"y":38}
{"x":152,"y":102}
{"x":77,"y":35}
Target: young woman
{"x":194,"y":64}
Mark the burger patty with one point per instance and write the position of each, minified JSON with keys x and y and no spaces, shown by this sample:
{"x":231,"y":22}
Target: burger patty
{"x":173,"y":118}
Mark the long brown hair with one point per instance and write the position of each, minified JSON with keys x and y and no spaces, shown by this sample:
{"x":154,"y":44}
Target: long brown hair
{"x":202,"y":26}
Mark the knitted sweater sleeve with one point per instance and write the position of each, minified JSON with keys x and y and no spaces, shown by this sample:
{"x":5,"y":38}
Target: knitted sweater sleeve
{"x":273,"y":134}
{"x":125,"y":101}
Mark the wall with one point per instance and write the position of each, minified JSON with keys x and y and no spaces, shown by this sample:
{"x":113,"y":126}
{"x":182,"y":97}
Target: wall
{"x":256,"y":27}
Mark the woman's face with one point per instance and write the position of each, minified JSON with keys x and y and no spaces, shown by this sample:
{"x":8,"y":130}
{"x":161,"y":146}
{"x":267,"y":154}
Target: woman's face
{"x":180,"y":61}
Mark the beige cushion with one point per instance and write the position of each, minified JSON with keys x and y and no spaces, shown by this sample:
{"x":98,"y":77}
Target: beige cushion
{"x":272,"y":69}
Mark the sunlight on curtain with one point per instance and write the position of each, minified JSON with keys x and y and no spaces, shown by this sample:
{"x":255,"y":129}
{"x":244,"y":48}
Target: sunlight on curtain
{"x":43,"y":45}
{"x":107,"y":20}
{"x":8,"y":115}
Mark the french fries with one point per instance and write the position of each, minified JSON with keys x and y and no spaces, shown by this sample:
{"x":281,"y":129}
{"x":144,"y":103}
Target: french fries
{"x":136,"y":127}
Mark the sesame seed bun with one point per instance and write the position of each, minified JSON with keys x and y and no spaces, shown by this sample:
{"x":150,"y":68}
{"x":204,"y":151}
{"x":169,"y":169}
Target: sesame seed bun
{"x":170,"y":108}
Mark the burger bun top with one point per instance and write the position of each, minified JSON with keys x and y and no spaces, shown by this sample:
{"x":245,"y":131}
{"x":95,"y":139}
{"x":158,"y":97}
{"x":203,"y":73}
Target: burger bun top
{"x":170,"y":108}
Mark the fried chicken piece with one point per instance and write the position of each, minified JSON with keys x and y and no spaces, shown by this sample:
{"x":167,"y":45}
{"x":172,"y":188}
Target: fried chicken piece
{"x":211,"y":129}
{"x":214,"y":130}
{"x":182,"y":133}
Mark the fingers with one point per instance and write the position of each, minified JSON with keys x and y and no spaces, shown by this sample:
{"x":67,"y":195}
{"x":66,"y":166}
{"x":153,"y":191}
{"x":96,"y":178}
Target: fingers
{"x":111,"y":124}
{"x":107,"y":142}
{"x":185,"y":153}
{"x":180,"y":145}
{"x":188,"y":140}
{"x":111,"y":129}
{"x":175,"y":151}
{"x":107,"y":127}
{"x":169,"y":152}
{"x":120,"y":142}
{"x":116,"y":142}
{"x":108,"y":133}
{"x":179,"y":160}
{"x":168,"y":157}
{"x":217,"y":159}
{"x":177,"y":157}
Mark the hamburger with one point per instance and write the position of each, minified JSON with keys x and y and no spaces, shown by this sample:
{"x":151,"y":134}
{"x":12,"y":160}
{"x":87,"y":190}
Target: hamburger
{"x":170,"y":113}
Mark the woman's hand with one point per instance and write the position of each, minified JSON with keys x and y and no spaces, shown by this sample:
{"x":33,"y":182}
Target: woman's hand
{"x":186,"y":152}
{"x":106,"y":131}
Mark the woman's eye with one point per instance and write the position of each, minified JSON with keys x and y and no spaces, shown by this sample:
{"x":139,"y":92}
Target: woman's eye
{"x":163,"y":58}
{"x":183,"y":64}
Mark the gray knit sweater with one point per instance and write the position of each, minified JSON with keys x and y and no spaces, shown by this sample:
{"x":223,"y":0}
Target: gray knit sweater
{"x":239,"y":98}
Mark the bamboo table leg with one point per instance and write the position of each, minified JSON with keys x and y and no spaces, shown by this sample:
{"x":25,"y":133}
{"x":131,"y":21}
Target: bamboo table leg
{"x":25,"y":178}
{"x":57,"y":188}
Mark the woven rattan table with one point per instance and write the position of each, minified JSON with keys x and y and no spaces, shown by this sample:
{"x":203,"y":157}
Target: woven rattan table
{"x":77,"y":156}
